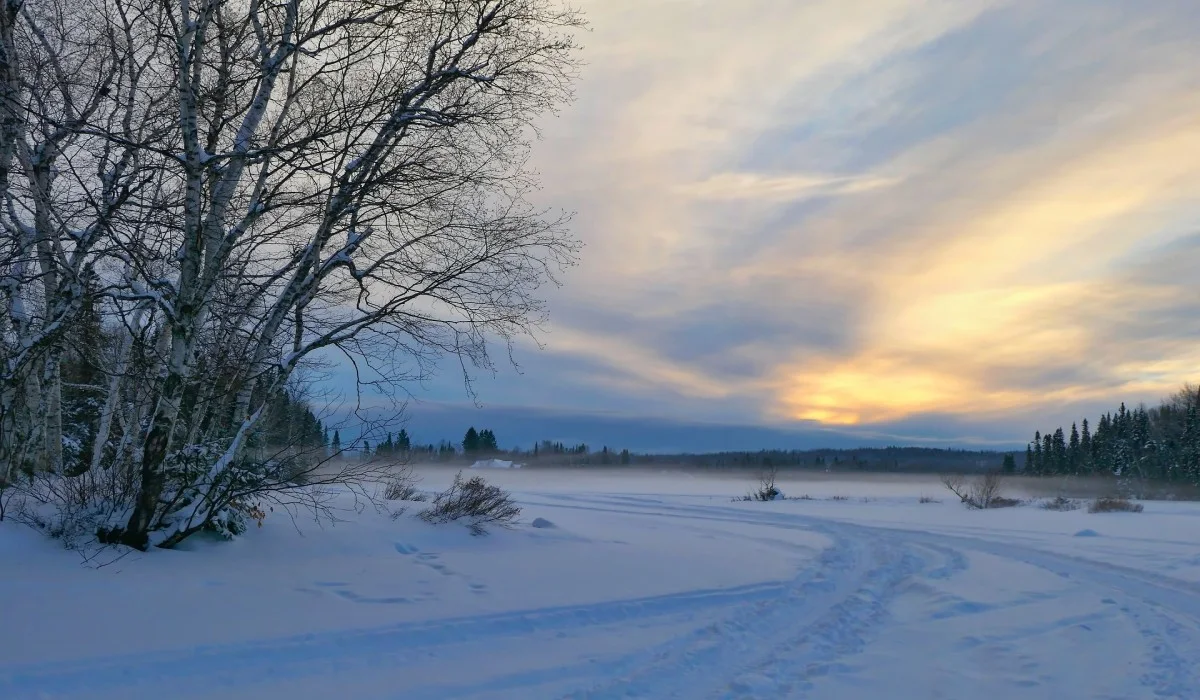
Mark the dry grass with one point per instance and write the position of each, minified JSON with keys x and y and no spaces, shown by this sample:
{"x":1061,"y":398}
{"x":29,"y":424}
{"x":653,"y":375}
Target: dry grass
{"x":1061,"y":503}
{"x":1111,"y":504}
{"x":928,"y":499}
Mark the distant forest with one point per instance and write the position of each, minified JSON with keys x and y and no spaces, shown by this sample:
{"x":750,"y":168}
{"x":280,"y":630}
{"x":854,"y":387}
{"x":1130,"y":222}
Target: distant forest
{"x":1160,"y":443}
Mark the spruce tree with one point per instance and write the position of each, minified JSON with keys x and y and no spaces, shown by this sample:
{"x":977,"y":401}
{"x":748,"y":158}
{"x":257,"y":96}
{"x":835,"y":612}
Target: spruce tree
{"x":1060,"y":452}
{"x":1039,"y":456}
{"x":470,"y":443}
{"x":1028,"y":469}
{"x":1010,"y":464}
{"x":1073,"y":450}
{"x":336,"y":445}
{"x":403,"y":441}
{"x":1085,"y":448}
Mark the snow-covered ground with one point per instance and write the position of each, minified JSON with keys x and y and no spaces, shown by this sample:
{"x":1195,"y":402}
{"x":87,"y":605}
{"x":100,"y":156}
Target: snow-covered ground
{"x":650,"y":585}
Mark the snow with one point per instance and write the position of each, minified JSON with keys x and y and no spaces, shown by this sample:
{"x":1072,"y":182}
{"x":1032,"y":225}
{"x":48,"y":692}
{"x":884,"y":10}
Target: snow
{"x":494,"y":464}
{"x":648,"y":585}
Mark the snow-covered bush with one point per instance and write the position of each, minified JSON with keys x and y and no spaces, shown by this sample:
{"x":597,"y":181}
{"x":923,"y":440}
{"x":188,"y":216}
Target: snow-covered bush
{"x":767,"y":490}
{"x":78,"y":510}
{"x":475,"y":500}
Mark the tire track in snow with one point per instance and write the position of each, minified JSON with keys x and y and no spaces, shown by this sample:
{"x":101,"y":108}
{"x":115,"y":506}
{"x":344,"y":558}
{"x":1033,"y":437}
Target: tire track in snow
{"x":243,"y":664}
{"x":699,"y":659}
{"x":1155,"y":604}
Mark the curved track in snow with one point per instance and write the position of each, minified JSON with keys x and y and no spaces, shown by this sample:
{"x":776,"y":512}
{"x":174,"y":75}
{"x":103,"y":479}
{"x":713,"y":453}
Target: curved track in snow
{"x":874,"y":596}
{"x":776,"y":648}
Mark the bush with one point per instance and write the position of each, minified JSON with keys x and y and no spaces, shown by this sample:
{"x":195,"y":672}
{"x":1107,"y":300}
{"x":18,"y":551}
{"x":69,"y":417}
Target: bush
{"x":767,"y":491}
{"x":400,"y":490}
{"x":839,"y":498}
{"x":474,"y":499}
{"x":980,"y":493}
{"x":1114,"y":505}
{"x":76,"y":510}
{"x":928,"y":499}
{"x":1061,"y":503}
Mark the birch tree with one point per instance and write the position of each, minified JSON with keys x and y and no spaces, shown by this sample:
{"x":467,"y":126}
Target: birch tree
{"x":61,"y":70}
{"x":337,"y":174}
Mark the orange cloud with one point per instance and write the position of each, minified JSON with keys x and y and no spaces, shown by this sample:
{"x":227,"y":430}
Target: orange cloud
{"x":968,"y":260}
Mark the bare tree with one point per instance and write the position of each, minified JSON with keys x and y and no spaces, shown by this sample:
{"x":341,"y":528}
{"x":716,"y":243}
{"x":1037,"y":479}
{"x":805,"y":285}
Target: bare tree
{"x":60,"y":188}
{"x":239,"y":186}
{"x":982,"y":492}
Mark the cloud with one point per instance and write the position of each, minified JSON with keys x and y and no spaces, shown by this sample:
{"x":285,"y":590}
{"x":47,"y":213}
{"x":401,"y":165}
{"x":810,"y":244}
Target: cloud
{"x":870,"y":212}
{"x":781,"y":188}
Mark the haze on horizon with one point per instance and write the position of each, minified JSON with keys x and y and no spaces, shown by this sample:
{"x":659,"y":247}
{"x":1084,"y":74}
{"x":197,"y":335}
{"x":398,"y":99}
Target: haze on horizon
{"x":932,"y":221}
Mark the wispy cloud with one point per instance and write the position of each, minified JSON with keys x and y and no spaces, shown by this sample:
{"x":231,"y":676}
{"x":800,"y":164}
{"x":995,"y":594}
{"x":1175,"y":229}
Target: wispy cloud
{"x":861,"y":212}
{"x":779,"y":188}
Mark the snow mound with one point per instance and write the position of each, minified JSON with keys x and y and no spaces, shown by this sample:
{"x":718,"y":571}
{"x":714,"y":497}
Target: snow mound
{"x":1087,"y":533}
{"x":543,"y":523}
{"x":494,"y":464}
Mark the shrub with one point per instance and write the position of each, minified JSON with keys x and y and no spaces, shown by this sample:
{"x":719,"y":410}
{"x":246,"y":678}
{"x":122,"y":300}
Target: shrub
{"x":78,"y":511}
{"x":980,"y":493}
{"x":839,"y":498}
{"x":1111,"y":504}
{"x":1061,"y":503}
{"x":399,"y":490}
{"x":474,"y":499}
{"x":928,"y":499}
{"x":767,"y":491}
{"x":402,"y":486}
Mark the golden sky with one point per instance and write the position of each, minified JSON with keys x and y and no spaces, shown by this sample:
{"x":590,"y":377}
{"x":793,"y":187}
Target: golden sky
{"x":873,"y":212}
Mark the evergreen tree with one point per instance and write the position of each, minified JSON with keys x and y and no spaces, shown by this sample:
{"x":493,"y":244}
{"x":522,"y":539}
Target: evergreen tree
{"x":1010,"y":465}
{"x":336,"y":445}
{"x":1085,"y":448}
{"x":626,"y":458}
{"x":470,"y":443}
{"x":1060,"y":452}
{"x":1039,"y":456}
{"x":1190,"y":452}
{"x":403,"y":441}
{"x":1028,"y":459}
{"x":1073,"y":459}
{"x":1048,"y":453}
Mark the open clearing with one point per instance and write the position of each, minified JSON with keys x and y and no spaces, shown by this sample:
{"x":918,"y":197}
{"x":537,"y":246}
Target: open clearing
{"x":647,"y":585}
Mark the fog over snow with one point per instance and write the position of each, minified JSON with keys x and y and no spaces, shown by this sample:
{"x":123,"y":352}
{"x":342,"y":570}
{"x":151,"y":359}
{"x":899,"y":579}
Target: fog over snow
{"x":620,"y":584}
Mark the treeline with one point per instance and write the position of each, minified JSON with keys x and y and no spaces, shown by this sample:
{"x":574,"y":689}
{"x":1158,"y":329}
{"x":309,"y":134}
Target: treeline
{"x":890,"y":459}
{"x":474,"y":443}
{"x":1160,"y":443}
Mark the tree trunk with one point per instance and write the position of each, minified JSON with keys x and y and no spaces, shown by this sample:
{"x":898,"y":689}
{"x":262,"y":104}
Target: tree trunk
{"x":53,"y":433}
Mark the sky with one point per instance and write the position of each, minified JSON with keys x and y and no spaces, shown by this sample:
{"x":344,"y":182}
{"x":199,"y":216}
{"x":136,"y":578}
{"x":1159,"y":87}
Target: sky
{"x":838,"y":222}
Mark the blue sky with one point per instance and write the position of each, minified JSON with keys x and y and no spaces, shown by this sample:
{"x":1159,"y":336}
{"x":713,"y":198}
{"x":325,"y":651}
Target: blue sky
{"x":835,"y":222}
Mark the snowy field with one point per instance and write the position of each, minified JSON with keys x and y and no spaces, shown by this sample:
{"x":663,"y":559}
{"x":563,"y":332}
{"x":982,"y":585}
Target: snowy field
{"x":649,"y":585}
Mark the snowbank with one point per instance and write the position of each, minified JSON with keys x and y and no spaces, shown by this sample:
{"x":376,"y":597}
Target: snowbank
{"x":494,"y":464}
